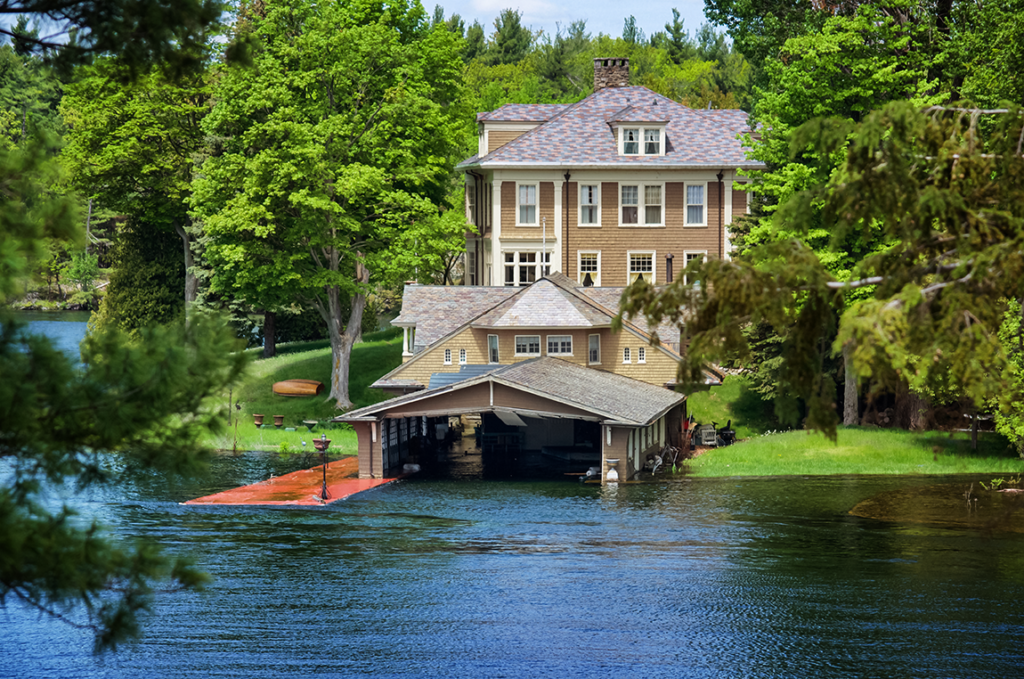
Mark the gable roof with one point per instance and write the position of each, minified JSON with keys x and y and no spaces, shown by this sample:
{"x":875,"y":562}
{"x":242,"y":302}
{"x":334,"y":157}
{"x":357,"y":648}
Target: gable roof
{"x":582,"y":135}
{"x":522,"y":113}
{"x":610,"y":397}
{"x":438,"y":310}
{"x":543,"y":304}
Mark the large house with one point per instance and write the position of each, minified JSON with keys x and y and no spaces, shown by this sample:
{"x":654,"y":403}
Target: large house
{"x":623,"y":184}
{"x":570,"y":204}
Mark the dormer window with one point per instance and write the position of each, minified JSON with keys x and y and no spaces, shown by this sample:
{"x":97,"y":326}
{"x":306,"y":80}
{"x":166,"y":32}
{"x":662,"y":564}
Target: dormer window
{"x":642,"y":141}
{"x":631,"y":141}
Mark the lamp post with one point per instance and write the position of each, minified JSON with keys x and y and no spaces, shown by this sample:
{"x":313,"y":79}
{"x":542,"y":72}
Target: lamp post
{"x":322,"y":444}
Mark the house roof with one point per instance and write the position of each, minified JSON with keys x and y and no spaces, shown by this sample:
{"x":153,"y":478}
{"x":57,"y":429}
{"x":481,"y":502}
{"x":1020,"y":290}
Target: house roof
{"x":522,"y":112}
{"x":611,"y":397}
{"x":582,"y":135}
{"x":438,"y":310}
{"x":544,"y":304}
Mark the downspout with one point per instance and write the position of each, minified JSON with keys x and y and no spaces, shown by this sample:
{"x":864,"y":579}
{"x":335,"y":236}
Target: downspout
{"x":565,"y":222}
{"x":721,"y":215}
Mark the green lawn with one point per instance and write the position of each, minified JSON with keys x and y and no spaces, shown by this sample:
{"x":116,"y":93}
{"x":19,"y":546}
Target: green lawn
{"x":735,"y":401}
{"x":859,"y":450}
{"x":378,"y":354}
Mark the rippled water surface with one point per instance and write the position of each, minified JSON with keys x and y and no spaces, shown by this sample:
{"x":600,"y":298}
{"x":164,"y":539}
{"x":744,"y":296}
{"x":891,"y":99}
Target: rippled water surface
{"x":464,"y":578}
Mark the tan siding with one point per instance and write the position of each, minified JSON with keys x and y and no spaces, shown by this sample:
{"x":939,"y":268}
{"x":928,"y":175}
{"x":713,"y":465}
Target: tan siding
{"x":507,"y":397}
{"x":659,"y":369}
{"x":739,"y":204}
{"x":498,"y":138}
{"x":370,"y":460}
{"x":508,"y":208}
{"x":460,"y":400}
{"x":547,"y":206}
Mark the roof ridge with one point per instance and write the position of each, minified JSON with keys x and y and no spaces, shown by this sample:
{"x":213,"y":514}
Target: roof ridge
{"x":564,"y":111}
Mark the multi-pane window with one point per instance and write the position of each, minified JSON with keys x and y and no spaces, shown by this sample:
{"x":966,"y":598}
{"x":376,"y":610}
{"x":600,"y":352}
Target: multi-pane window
{"x":630,"y":204}
{"x":523,"y":268}
{"x":462,"y":357}
{"x":689,"y":257}
{"x":652,"y":204}
{"x":625,"y":354}
{"x":528,"y":204}
{"x":631,"y":141}
{"x":471,"y":203}
{"x":594,"y":349}
{"x":652,"y":142}
{"x":641,"y":265}
{"x":492,"y":349}
{"x":471,"y":263}
{"x":695,"y":204}
{"x":641,"y":355}
{"x":527,"y":345}
{"x":590,"y":269}
{"x":559,"y":345}
{"x":589,"y":204}
{"x":641,"y":204}
{"x":447,"y":356}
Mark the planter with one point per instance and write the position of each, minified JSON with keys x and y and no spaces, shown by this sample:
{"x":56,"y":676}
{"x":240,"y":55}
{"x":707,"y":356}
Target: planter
{"x":310,"y":424}
{"x":321,"y":444}
{"x":258,"y":420}
{"x":278,"y":420}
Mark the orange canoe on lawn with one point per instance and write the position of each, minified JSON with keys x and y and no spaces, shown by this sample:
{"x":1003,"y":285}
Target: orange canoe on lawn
{"x":298,"y":388}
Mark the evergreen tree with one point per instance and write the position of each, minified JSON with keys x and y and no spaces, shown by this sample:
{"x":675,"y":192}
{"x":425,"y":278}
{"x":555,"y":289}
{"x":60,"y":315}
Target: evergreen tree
{"x":511,"y":41}
{"x":678,"y":42}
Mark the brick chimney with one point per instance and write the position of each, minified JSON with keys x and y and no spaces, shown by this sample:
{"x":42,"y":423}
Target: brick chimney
{"x":611,"y":72}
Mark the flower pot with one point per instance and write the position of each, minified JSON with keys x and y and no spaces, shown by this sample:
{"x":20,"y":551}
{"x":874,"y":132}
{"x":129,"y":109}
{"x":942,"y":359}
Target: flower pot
{"x":258,"y":420}
{"x":321,"y":444}
{"x":278,"y":420}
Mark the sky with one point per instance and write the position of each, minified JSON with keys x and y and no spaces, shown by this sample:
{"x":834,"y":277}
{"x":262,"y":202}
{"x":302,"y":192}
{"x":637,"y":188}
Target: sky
{"x":603,"y":16}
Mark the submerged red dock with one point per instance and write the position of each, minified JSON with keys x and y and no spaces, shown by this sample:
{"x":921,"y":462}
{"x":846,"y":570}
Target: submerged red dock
{"x":298,"y":488}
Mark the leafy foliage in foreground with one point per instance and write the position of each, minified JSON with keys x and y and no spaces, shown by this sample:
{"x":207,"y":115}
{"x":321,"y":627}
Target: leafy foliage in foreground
{"x":943,"y":201}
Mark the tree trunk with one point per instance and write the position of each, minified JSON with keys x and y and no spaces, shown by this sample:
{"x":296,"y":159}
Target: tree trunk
{"x":851,"y":411}
{"x":269,"y":335}
{"x":342,"y":341}
{"x":918,"y":412}
{"x":903,"y":405}
{"x":191,"y":281}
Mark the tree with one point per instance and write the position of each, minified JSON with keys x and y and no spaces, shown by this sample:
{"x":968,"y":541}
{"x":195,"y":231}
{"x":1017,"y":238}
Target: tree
{"x":631,"y":33}
{"x":131,"y":145}
{"x":62,"y":424}
{"x":332,"y":156}
{"x":511,"y":40}
{"x":946,"y":197}
{"x":476,"y":42}
{"x":680,"y":46}
{"x":146,"y":33}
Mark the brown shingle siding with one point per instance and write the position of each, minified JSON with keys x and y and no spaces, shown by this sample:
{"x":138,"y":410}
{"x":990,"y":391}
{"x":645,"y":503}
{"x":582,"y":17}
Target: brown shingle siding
{"x":498,"y":138}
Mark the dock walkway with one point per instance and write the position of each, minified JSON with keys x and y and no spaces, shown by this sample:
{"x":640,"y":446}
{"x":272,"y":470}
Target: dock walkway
{"x":298,"y":488}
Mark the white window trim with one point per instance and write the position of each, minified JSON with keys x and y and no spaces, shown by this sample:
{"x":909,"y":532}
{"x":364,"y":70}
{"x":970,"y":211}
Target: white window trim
{"x":641,"y":355}
{"x":686,"y":254}
{"x":579,"y":263}
{"x":641,"y":212}
{"x":497,"y":347}
{"x":547,"y":346}
{"x":540,"y":264}
{"x":598,"y":361}
{"x":516,"y":345}
{"x":686,"y":205}
{"x":625,"y":355}
{"x":536,"y":212}
{"x":462,"y":357}
{"x":622,"y":127}
{"x":447,"y":356}
{"x":579,"y":205}
{"x":654,"y":264}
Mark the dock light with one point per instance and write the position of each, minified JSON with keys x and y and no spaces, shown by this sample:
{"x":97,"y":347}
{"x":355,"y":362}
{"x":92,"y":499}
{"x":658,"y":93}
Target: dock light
{"x":322,"y":444}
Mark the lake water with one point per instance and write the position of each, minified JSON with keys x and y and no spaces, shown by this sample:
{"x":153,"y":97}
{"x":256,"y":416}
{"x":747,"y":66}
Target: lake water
{"x":66,"y":329}
{"x":470,"y":578}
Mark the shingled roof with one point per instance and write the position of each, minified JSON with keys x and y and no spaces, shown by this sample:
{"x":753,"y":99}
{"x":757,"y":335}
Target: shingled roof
{"x":438,"y":310}
{"x":544,"y":304}
{"x":614,"y":398}
{"x":582,"y":135}
{"x":532,"y":113}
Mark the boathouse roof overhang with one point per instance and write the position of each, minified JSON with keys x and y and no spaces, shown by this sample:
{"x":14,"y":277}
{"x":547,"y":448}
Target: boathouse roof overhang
{"x":540,"y":387}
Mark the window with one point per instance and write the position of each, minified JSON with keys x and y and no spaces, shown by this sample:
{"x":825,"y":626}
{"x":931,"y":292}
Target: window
{"x":589,"y":269}
{"x":631,"y":208}
{"x":641,"y":355}
{"x":447,"y":356}
{"x":652,"y":204}
{"x":528,"y":204}
{"x":523,"y":268}
{"x":462,"y":357}
{"x":471,"y":262}
{"x":492,"y":349}
{"x":594,"y":349}
{"x":527,"y":345}
{"x":590,"y":205}
{"x":692,"y":256}
{"x":630,"y":138}
{"x":641,"y":264}
{"x":625,"y":354}
{"x":695,"y":204}
{"x":559,"y":345}
{"x":652,"y":142}
{"x":631,"y":141}
{"x":471,"y":203}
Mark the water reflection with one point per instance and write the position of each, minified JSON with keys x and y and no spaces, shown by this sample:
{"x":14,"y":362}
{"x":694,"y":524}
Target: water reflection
{"x":954,"y":505}
{"x":470,"y":578}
